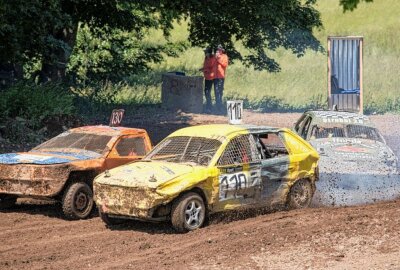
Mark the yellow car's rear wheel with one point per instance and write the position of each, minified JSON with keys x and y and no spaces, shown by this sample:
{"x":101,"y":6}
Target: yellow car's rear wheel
{"x":300,"y":194}
{"x":188,"y":212}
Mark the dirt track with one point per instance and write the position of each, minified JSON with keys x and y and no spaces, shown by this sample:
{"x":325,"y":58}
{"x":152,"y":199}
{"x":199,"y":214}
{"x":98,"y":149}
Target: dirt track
{"x":35,"y":237}
{"x":364,"y":237}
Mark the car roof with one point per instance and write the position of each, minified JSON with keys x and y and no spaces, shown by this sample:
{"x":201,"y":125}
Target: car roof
{"x":107,"y":130}
{"x":220,"y":130}
{"x":327,"y":116}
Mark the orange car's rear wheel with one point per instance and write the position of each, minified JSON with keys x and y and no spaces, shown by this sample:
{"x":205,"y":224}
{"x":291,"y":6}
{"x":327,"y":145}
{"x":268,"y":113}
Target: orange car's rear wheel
{"x":300,"y":194}
{"x":7,"y":201}
{"x":188,"y":212}
{"x":77,"y":201}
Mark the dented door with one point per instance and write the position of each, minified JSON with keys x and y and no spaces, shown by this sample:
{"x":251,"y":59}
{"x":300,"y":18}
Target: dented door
{"x":239,"y":181}
{"x":274,"y":166}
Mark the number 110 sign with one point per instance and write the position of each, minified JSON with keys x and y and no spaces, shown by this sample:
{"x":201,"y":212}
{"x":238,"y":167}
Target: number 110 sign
{"x":235,"y":110}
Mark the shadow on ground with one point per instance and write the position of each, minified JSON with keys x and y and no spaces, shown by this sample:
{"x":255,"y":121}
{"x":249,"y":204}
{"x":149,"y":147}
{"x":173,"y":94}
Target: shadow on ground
{"x":50,"y":209}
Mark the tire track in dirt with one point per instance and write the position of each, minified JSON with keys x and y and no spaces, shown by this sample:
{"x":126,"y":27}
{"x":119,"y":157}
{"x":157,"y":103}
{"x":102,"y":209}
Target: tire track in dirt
{"x":233,"y":244}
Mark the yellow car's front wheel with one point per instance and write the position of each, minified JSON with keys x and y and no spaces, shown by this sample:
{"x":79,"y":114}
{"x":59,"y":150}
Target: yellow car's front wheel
{"x":188,"y":212}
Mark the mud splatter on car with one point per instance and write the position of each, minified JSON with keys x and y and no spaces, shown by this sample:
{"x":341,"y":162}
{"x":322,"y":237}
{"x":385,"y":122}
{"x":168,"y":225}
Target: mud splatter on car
{"x":64,"y":167}
{"x":207,"y":169}
{"x":356,"y":164}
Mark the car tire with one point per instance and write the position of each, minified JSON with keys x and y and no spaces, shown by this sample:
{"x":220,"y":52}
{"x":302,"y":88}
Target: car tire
{"x":109,"y":221}
{"x":300,"y":194}
{"x":7,"y":201}
{"x":188,"y":212}
{"x":77,"y":202}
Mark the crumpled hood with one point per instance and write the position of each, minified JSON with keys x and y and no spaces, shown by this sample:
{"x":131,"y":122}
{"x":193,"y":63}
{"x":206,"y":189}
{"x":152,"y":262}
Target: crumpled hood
{"x":45,"y":158}
{"x":354,"y":155}
{"x":149,"y":174}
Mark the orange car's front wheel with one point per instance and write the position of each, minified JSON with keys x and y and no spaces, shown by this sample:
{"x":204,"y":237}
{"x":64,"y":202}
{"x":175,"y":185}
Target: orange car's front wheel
{"x":77,"y":201}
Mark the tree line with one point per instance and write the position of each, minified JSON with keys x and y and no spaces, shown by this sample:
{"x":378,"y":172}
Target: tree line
{"x":49,"y":39}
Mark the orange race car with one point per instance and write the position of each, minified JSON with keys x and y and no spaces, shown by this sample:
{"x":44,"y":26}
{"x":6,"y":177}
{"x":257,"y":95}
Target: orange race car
{"x":64,"y":167}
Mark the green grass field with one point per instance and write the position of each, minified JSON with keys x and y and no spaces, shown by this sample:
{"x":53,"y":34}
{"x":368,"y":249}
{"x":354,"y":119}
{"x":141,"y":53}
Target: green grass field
{"x":302,"y":81}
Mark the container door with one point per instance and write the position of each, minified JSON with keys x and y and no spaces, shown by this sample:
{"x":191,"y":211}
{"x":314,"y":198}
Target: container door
{"x":345,"y":73}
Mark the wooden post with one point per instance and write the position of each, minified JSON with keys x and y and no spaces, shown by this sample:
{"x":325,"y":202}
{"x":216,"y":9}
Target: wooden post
{"x":361,"y":77}
{"x":329,"y":74}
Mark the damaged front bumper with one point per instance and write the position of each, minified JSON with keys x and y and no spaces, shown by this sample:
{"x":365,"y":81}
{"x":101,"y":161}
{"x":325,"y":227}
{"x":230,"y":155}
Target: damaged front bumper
{"x":131,"y":202}
{"x":32,"y":180}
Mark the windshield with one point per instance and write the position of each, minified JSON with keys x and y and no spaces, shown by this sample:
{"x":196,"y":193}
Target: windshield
{"x":345,"y":131}
{"x":185,"y":149}
{"x":82,"y":141}
{"x":363,"y":132}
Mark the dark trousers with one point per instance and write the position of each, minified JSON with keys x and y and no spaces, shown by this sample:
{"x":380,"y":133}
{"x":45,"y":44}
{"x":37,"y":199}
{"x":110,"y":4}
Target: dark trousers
{"x":207,"y":92}
{"x":219,"y":91}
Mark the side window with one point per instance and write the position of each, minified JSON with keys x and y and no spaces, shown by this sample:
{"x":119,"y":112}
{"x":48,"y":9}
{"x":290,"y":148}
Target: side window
{"x":306,"y":128}
{"x":302,"y":128}
{"x":131,"y":146}
{"x":300,"y":123}
{"x":271,"y":145}
{"x":240,"y":149}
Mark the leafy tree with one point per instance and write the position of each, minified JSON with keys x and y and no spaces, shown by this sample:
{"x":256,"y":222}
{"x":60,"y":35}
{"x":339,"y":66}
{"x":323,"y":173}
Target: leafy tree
{"x":259,"y":25}
{"x":46,"y":30}
{"x":351,"y":4}
{"x":25,"y":30}
{"x":112,"y":54}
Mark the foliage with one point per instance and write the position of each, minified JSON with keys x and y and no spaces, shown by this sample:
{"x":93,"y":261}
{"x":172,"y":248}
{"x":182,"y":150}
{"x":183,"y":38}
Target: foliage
{"x":47,"y":30}
{"x":388,"y":105}
{"x":351,"y":4}
{"x":104,"y":54}
{"x":26,"y":27}
{"x":33,"y":103}
{"x":258,"y":25}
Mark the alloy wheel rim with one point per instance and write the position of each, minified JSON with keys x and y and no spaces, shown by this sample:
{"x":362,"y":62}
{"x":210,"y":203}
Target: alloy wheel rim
{"x":193,"y":214}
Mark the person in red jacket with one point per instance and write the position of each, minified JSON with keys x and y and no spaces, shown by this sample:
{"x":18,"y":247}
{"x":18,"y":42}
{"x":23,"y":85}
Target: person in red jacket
{"x":221,"y":64}
{"x":209,"y":76}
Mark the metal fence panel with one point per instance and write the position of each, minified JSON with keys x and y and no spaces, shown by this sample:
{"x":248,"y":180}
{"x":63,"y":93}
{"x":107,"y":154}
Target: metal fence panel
{"x":345,"y":66}
{"x":345,"y":73}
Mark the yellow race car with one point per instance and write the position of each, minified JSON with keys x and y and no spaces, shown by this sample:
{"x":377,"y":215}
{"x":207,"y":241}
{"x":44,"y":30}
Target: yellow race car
{"x":205,"y":169}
